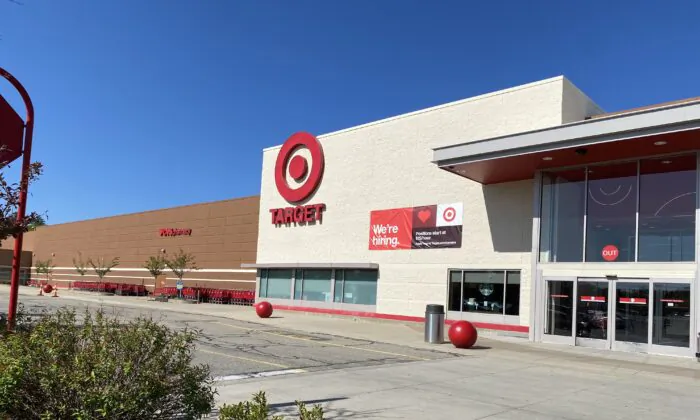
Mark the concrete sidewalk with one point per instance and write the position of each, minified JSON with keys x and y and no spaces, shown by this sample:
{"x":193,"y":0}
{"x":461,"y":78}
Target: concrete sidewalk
{"x":393,"y":332}
{"x":502,"y":378}
{"x":482,"y":387}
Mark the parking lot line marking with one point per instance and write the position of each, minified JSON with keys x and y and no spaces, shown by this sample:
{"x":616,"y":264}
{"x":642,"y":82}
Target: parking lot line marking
{"x":244,"y":358}
{"x":325,"y":344}
{"x":258,"y":375}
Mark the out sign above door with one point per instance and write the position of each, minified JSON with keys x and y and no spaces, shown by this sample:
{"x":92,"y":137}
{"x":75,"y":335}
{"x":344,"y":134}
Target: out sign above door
{"x":610,"y":253}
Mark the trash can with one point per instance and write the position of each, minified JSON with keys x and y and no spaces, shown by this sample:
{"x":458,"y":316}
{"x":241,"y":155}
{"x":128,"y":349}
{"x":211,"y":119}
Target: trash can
{"x":434,"y":324}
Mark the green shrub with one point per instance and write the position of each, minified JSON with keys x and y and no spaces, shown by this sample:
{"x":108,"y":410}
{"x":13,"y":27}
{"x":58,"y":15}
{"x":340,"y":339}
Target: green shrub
{"x":258,"y":409}
{"x":98,"y":366}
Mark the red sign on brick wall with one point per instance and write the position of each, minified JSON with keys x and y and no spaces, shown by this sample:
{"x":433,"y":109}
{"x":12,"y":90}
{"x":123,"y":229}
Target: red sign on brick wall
{"x":175,"y":232}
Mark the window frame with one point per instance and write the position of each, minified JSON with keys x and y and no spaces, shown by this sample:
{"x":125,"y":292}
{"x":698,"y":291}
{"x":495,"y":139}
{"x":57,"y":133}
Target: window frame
{"x":464,"y":271}
{"x":300,"y":279}
{"x":586,"y":169}
{"x":264,"y":275}
{"x":342,"y":283}
{"x":337,"y":282}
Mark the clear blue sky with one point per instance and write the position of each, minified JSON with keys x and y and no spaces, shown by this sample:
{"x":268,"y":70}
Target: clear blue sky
{"x":145,"y":104}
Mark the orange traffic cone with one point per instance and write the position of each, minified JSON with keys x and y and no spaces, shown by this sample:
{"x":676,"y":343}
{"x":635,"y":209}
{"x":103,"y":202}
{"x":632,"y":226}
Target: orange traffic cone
{"x":55,"y":291}
{"x":41,"y":290}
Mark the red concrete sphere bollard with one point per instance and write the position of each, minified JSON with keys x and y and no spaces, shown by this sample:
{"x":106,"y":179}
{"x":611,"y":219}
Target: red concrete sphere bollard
{"x":462,"y":334}
{"x":263,"y":309}
{"x":48,"y":288}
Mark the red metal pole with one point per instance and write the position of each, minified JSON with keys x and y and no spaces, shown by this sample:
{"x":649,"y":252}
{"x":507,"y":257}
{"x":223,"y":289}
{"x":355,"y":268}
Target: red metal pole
{"x":24,"y":184}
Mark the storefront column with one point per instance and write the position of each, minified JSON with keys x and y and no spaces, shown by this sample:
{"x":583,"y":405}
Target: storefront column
{"x":696,"y":286}
{"x":535,"y":252}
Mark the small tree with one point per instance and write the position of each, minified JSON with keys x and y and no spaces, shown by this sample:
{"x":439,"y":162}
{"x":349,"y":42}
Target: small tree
{"x":80,"y":266}
{"x":259,"y":409}
{"x":180,"y":263}
{"x":155,"y":265}
{"x":39,"y":221}
{"x":44,"y":267}
{"x":101,"y":267}
{"x":9,"y":200}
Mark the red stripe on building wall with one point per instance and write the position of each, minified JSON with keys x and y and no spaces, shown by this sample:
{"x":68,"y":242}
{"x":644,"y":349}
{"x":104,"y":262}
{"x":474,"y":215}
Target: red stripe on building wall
{"x":360,"y":314}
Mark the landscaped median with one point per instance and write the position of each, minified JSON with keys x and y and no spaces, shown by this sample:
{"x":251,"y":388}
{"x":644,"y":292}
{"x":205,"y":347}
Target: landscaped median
{"x":92,"y":365}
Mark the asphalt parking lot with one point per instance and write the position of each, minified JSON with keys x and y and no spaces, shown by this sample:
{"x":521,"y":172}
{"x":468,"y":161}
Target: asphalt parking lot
{"x":237,"y":349}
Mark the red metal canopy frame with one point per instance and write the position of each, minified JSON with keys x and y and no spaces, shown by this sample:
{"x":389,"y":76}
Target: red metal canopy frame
{"x":664,"y":129}
{"x":24,"y":184}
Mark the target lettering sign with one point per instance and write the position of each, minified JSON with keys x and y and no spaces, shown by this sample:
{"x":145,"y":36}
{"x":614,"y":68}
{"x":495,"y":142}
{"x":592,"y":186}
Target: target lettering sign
{"x":426,"y":227}
{"x":305,"y":178}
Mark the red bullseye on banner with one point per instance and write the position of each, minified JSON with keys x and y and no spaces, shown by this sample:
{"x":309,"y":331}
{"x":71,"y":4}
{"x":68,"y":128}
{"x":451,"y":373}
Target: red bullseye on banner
{"x":449,"y":214}
{"x":299,"y":167}
{"x":610,"y":253}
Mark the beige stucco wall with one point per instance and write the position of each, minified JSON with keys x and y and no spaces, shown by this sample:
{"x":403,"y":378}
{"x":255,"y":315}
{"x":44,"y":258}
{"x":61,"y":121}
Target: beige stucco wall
{"x":386,"y":165}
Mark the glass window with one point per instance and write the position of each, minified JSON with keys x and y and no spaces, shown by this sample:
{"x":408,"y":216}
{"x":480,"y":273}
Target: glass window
{"x":279,"y":283}
{"x":24,"y":275}
{"x":360,"y":287}
{"x":667,"y":197}
{"x":559,"y":316}
{"x":298,"y":284}
{"x":561,"y":223}
{"x":612,"y":213}
{"x":632,"y":312}
{"x":512,"y":293}
{"x":338,"y":292}
{"x":5,"y":274}
{"x":483,"y":291}
{"x":316,"y":285}
{"x":592,"y":309}
{"x":671,"y":315}
{"x":493,"y":292}
{"x":263,"y":283}
{"x":455,"y":291}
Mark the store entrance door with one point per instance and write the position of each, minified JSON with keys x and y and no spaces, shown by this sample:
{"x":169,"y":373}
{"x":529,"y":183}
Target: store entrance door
{"x":632,"y":321}
{"x":638,"y":315}
{"x":593,"y":313}
{"x":613,"y":314}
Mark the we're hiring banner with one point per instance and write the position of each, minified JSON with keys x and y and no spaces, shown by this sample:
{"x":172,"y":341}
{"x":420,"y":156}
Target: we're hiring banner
{"x":426,"y":227}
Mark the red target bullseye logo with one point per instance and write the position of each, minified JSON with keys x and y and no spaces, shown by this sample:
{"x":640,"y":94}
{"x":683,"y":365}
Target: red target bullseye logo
{"x":449,"y":214}
{"x":299,"y":167}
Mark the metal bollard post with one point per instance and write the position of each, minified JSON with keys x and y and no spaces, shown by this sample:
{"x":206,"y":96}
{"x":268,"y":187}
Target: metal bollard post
{"x":434,"y":324}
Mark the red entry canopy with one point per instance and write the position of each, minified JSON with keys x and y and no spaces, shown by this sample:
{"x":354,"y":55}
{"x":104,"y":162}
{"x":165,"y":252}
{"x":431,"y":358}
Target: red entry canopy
{"x":11,"y":132}
{"x":524,"y":166}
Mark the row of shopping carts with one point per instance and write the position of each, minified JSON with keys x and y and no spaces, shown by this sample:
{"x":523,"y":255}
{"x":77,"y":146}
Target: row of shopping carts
{"x":198,"y":294}
{"x":203,"y":294}
{"x":107,"y":287}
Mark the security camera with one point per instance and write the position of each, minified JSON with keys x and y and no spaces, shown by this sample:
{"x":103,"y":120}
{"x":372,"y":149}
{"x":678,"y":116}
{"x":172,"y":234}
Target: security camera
{"x":581,"y":152}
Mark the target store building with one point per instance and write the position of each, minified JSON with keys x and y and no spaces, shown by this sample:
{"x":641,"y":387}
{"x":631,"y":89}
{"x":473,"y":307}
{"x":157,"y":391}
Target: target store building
{"x":528,"y":209}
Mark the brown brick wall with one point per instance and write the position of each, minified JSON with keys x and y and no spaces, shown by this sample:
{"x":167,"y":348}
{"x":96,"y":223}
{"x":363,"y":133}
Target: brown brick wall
{"x":224,"y":236}
{"x":7,"y":246}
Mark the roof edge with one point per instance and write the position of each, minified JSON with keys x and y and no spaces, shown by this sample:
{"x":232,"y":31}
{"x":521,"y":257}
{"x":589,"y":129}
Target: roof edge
{"x":590,"y":121}
{"x":249,"y":197}
{"x":434,"y":108}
